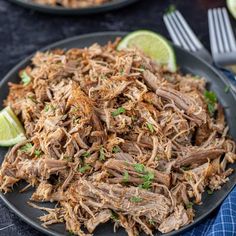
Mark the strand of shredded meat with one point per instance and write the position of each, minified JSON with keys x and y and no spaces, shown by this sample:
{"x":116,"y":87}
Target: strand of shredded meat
{"x":112,"y":136}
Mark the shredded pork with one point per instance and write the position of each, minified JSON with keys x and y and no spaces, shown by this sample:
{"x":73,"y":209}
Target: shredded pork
{"x":112,"y":136}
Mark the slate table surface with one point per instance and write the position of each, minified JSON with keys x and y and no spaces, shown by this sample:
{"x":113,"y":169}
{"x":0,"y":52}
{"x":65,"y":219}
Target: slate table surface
{"x":23,"y":31}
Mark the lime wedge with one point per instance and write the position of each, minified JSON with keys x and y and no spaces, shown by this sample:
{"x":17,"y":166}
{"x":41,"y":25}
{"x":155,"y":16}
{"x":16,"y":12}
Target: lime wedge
{"x":11,"y":130}
{"x":231,"y":4}
{"x":153,"y":45}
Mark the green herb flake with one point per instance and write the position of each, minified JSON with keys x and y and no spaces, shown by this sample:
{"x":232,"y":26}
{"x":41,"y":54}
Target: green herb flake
{"x":86,"y":154}
{"x":139,"y":167}
{"x":32,"y":99}
{"x":68,"y":158}
{"x":211,"y":100}
{"x":118,"y":111}
{"x":27,"y":147}
{"x":37,"y":152}
{"x":49,"y":107}
{"x":121,"y":71}
{"x":171,"y":8}
{"x":136,"y":199}
{"x":114,"y":217}
{"x":126,"y":176}
{"x":116,"y":149}
{"x":189,"y":205}
{"x":209,"y":192}
{"x":71,"y":233}
{"x":148,"y":178}
{"x":151,"y":222}
{"x":185,"y":168}
{"x":226,"y":89}
{"x":150,"y":127}
{"x":25,"y":78}
{"x":85,"y":168}
{"x":102,"y":154}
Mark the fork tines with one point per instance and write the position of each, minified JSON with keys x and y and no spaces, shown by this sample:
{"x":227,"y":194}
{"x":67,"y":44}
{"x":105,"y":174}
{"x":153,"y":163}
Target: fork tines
{"x":221,"y":32}
{"x":181,"y":32}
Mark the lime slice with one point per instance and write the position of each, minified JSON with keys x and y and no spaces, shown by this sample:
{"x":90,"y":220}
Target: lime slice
{"x":153,"y":45}
{"x":11,"y":130}
{"x":231,"y":4}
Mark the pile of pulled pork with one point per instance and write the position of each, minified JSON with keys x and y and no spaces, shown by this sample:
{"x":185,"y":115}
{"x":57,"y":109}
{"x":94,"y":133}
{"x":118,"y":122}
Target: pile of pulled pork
{"x":112,"y":136}
{"x":72,"y":3}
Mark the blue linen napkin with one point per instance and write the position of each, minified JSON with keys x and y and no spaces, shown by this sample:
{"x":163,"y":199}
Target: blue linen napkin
{"x":223,"y":221}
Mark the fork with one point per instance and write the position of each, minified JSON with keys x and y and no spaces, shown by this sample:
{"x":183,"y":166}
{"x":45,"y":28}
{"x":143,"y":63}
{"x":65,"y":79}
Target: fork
{"x":222,"y":40}
{"x":183,"y":36}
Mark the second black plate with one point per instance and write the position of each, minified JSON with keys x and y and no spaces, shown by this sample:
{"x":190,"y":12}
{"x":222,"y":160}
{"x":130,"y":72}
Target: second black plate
{"x":112,"y":5}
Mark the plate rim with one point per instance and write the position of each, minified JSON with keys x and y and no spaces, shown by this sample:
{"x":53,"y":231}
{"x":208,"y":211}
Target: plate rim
{"x":113,"y":5}
{"x":48,"y":231}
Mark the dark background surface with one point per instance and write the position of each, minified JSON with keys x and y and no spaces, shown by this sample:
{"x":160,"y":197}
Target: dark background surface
{"x":23,"y":31}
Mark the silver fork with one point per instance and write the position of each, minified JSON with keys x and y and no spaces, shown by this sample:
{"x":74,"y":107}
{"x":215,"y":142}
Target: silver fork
{"x":223,"y":44}
{"x":183,"y":36}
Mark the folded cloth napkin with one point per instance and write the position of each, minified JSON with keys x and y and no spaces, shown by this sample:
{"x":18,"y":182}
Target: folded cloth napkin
{"x":223,"y":221}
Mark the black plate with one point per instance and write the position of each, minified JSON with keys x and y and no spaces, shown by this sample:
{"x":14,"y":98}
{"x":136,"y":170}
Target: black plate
{"x":188,"y":63}
{"x":114,"y":4}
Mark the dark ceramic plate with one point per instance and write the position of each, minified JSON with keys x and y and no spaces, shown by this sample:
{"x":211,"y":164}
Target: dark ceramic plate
{"x":188,"y":63}
{"x":112,"y":5}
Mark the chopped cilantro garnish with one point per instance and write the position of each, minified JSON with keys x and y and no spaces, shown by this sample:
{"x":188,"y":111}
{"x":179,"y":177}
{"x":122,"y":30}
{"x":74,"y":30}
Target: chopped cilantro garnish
{"x":189,"y":205}
{"x":171,"y":8}
{"x":85,"y":168}
{"x":118,"y":111}
{"x":25,"y":78}
{"x":102,"y":154}
{"x":226,"y":90}
{"x":147,"y":180}
{"x":126,"y":176}
{"x":114,"y":217}
{"x":116,"y":149}
{"x":121,"y":71}
{"x":150,"y":127}
{"x":27,"y":147}
{"x":139,"y":167}
{"x":210,"y":192}
{"x":136,"y":199}
{"x":211,"y":100}
{"x":37,"y":152}
{"x":32,"y":99}
{"x":68,"y":158}
{"x":49,"y":107}
{"x":86,"y":154}
{"x":151,"y":222}
{"x":185,"y":168}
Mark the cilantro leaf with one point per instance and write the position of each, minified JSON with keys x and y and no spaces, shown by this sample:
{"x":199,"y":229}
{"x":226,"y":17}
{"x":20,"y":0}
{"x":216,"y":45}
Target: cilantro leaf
{"x":102,"y":154}
{"x":25,"y":78}
{"x":150,"y":127}
{"x":126,"y":176}
{"x":27,"y":147}
{"x":118,"y":111}
{"x":116,"y":149}
{"x":136,"y":199}
{"x":139,"y":167}
{"x":85,"y":168}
